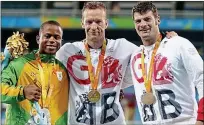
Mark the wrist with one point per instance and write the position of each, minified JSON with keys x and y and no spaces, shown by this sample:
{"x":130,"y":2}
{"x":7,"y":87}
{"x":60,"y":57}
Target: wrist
{"x":22,"y":93}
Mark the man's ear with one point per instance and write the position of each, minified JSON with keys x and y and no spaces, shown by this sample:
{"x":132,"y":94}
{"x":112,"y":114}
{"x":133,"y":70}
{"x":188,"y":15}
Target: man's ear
{"x":38,"y":39}
{"x":82,"y":23}
{"x":106,"y":23}
{"x":158,"y":20}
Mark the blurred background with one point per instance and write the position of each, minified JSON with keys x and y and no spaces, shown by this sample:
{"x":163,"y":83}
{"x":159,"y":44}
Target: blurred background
{"x":183,"y":17}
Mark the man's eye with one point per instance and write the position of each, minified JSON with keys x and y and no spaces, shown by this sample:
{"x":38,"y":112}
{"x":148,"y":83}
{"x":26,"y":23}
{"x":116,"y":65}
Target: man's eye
{"x":147,"y":19}
{"x":89,"y":22}
{"x":57,"y":37}
{"x":47,"y":36}
{"x":98,"y":22}
{"x":137,"y":21}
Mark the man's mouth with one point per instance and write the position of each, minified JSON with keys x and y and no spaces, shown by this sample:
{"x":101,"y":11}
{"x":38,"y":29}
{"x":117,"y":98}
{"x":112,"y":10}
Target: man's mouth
{"x":145,"y":31}
{"x":94,"y":33}
{"x":51,"y":47}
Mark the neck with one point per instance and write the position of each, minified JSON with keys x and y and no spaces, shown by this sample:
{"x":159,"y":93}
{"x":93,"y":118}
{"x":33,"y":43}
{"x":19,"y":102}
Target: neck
{"x":95,"y":44}
{"x":150,"y":41}
{"x":41,"y":52}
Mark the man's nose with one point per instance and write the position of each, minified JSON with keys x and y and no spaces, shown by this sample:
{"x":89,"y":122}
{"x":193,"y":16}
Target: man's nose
{"x":52,"y":39}
{"x":143,"y":23}
{"x":94,"y":26}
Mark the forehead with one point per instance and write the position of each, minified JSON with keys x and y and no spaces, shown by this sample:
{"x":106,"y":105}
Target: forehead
{"x":52,"y":29}
{"x":138,"y":15}
{"x":94,"y":14}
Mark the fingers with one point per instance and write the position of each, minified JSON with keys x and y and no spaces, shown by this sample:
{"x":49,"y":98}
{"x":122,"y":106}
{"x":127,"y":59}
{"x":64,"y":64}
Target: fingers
{"x":36,"y":98}
{"x":38,"y":90}
{"x":32,"y":92}
{"x":171,"y":34}
{"x":121,"y":95}
{"x":37,"y":94}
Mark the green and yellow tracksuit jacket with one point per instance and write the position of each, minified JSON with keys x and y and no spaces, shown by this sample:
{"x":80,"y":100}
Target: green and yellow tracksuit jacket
{"x":23,"y":71}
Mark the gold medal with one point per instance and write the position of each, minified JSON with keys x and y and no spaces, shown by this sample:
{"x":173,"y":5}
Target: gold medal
{"x":93,"y":96}
{"x":33,"y":112}
{"x":148,"y":98}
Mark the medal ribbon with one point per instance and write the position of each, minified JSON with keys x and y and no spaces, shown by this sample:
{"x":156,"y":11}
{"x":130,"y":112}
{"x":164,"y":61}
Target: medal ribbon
{"x":47,"y":87}
{"x":94,"y":78}
{"x":148,"y":80}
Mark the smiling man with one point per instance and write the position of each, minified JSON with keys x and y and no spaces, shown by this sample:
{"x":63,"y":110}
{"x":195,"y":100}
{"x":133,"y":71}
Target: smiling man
{"x":165,"y":73}
{"x":97,"y":68}
{"x":33,"y":85}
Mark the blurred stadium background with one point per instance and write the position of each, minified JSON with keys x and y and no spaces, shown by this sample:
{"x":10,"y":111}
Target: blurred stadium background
{"x":183,"y":17}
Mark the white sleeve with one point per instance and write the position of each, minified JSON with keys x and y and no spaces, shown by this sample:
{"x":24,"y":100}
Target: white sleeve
{"x":193,"y":64}
{"x":127,"y":80}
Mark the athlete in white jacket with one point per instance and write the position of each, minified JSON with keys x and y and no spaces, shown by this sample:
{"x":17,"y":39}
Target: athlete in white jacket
{"x":97,"y":69}
{"x":165,"y":73}
{"x":95,"y":100}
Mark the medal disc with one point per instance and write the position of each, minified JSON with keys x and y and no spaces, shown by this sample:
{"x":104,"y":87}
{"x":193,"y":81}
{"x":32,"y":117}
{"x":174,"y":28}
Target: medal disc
{"x":93,"y":96}
{"x":148,"y":98}
{"x":36,"y":119}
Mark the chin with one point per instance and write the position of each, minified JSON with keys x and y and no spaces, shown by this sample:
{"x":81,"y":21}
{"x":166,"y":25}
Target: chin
{"x":95,"y":38}
{"x":144,"y":36}
{"x":52,"y":52}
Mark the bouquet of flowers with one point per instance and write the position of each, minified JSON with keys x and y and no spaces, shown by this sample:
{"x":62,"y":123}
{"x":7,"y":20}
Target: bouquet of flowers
{"x":16,"y":46}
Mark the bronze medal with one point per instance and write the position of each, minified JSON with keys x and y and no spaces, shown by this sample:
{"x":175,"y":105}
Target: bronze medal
{"x":93,"y":96}
{"x":148,"y":98}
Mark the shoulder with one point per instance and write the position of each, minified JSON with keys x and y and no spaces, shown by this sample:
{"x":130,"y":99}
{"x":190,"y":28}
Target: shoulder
{"x":69,"y":47}
{"x":25,"y":58}
{"x":72,"y":45}
{"x":177,"y":41}
{"x":66,"y":45}
{"x":19,"y":63}
{"x":122,"y":42}
{"x":138,"y":50}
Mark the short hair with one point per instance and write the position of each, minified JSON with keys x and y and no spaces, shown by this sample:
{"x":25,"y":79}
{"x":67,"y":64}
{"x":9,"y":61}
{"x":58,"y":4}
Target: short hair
{"x":143,"y":7}
{"x":93,"y":5}
{"x":51,"y":22}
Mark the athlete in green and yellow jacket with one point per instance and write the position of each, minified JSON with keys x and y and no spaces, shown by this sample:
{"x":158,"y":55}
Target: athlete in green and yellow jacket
{"x":22,"y":82}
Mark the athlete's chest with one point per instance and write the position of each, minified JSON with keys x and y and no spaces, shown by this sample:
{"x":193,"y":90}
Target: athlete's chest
{"x":44,"y":73}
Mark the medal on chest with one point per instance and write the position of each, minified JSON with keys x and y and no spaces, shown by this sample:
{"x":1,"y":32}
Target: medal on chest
{"x":148,"y":97}
{"x":94,"y":95}
{"x":40,"y":110}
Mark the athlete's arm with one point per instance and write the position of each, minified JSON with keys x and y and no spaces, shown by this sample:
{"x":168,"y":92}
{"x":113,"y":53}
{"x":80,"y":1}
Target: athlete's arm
{"x":10,"y":92}
{"x":127,"y":80}
{"x":193,"y":64}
